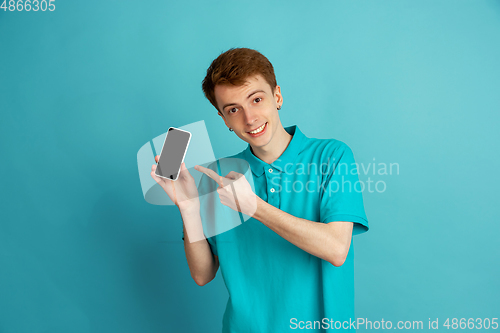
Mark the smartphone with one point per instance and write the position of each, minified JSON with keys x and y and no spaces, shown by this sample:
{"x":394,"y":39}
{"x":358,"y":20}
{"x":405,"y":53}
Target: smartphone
{"x":172,"y":153}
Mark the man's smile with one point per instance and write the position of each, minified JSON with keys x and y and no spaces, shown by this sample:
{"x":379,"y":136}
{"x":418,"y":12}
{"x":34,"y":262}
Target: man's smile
{"x":259,"y":130}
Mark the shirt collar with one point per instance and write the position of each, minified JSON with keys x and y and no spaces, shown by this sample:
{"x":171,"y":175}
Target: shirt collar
{"x":288,"y":156}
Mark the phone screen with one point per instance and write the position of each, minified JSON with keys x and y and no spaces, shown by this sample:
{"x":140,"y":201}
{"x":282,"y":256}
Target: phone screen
{"x":172,"y":153}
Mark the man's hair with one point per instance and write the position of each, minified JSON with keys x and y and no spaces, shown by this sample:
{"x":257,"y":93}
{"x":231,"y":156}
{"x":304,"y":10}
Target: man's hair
{"x":234,"y":67}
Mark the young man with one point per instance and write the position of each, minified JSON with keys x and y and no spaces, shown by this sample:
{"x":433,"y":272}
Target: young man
{"x":291,"y":265}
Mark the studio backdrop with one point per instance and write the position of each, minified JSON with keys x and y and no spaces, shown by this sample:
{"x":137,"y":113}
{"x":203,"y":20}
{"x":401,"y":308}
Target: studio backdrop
{"x":412,"y":87}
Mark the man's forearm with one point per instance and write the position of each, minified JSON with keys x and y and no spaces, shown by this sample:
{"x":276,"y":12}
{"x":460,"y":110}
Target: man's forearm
{"x":200,"y":259}
{"x":316,"y":238}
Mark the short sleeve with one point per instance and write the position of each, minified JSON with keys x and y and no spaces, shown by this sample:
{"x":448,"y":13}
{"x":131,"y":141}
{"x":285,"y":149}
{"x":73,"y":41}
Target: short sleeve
{"x":341,"y":198}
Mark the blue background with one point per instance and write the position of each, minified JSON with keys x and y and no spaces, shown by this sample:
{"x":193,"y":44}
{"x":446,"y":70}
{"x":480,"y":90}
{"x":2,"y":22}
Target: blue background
{"x":84,"y":87}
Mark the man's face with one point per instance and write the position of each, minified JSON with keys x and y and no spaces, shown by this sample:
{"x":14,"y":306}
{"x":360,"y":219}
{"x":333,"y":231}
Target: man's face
{"x":250,"y":108}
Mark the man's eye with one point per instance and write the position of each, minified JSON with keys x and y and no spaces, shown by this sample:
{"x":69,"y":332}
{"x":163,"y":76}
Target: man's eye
{"x":232,"y":110}
{"x":257,"y":100}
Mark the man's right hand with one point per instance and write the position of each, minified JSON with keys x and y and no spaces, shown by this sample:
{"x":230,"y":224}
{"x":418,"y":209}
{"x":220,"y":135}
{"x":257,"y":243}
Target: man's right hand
{"x":183,"y":192}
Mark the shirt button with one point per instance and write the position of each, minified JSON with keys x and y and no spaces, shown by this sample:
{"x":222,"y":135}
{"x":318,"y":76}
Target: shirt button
{"x":272,"y":190}
{"x":270,"y":170}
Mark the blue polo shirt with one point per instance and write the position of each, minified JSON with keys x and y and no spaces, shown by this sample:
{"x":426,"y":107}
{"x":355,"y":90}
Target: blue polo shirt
{"x":273,"y":285}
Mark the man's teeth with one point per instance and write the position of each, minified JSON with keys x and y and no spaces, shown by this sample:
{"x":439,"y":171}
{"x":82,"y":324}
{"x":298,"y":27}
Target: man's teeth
{"x":258,"y":129}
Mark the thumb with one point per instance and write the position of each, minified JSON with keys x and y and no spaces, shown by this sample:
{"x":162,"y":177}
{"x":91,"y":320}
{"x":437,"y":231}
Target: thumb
{"x":184,"y":173}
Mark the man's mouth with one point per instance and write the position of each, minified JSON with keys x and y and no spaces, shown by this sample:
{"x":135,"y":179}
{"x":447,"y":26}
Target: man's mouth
{"x":258,"y":130}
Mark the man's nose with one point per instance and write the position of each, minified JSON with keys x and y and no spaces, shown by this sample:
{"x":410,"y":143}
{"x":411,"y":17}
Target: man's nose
{"x":250,"y":117}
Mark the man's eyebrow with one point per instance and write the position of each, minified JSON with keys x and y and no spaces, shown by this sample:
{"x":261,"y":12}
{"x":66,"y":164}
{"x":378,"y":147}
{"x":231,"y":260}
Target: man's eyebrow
{"x":256,"y":91}
{"x":252,"y":93}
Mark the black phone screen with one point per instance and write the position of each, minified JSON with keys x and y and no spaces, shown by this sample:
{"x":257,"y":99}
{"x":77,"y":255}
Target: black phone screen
{"x":172,"y":153}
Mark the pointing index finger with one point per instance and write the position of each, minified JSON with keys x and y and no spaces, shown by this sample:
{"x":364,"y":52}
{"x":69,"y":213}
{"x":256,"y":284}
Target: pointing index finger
{"x":210,"y":173}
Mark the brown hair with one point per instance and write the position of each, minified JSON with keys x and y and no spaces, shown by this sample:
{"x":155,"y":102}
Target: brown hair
{"x":233,"y":67}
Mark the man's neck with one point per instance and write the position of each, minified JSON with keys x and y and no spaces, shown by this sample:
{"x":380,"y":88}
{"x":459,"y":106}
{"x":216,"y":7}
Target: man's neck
{"x":274,"y":148}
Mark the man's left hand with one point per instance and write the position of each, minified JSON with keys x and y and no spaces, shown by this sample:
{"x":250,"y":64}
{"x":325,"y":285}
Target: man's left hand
{"x":234,"y":191}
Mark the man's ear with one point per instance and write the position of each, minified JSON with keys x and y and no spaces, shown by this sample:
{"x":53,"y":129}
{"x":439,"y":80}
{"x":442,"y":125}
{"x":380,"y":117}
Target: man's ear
{"x":220,"y":114}
{"x":278,"y":96}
